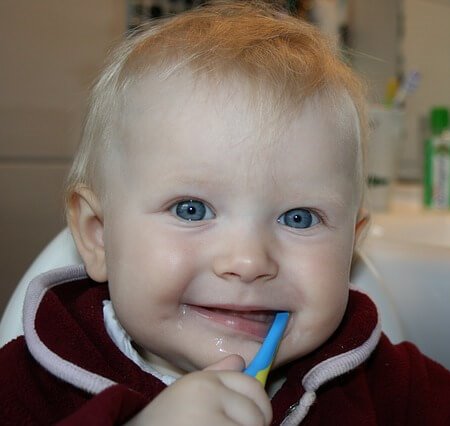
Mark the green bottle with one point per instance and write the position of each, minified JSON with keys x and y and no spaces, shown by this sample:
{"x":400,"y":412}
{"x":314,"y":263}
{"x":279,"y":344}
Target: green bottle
{"x":437,"y":161}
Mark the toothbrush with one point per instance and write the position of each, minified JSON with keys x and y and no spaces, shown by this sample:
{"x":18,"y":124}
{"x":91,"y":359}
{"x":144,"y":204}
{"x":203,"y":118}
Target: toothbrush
{"x":261,"y":363}
{"x":409,"y":86}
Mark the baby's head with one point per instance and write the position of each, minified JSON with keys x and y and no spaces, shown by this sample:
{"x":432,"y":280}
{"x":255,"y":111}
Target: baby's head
{"x":220,"y":180}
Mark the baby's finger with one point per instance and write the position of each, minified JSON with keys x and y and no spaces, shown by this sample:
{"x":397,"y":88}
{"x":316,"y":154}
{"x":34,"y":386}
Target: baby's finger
{"x":250,"y":388}
{"x":231,"y":362}
{"x":242,"y":410}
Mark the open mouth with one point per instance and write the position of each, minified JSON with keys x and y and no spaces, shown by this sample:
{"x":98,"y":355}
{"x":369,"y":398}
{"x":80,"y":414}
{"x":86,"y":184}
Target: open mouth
{"x":251,"y":322}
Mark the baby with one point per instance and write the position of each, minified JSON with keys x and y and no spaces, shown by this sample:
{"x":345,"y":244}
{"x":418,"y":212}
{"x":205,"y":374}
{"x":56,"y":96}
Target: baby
{"x":219,"y":181}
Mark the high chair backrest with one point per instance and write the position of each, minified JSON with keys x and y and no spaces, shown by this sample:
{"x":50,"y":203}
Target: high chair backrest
{"x":61,"y":251}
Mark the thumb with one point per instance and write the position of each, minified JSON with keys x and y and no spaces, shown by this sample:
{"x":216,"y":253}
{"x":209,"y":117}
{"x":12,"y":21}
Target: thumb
{"x":231,"y":362}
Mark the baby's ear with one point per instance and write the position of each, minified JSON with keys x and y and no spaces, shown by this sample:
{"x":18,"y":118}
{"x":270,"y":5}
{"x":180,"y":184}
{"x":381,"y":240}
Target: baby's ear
{"x":361,"y":226}
{"x":85,"y":218}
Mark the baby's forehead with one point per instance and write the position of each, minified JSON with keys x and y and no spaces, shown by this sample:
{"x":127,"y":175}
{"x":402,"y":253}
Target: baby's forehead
{"x":170,"y":97}
{"x":239,"y":116}
{"x":159,"y":110}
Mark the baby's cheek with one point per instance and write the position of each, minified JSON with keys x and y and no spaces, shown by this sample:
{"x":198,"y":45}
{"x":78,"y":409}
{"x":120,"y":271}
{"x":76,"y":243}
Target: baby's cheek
{"x":308,"y":333}
{"x":320,"y":308}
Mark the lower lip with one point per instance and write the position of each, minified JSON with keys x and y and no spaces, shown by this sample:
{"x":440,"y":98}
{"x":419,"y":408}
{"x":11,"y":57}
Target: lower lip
{"x":242,"y":325}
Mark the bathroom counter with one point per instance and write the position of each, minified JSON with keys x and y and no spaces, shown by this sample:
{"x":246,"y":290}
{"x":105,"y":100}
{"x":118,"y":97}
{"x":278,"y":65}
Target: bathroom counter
{"x":407,"y":220}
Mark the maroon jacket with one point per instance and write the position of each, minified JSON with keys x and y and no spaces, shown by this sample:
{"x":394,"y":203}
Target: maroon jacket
{"x":68,"y":370}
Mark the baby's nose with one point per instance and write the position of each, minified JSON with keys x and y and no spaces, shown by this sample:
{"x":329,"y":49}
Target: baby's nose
{"x":247,"y":259}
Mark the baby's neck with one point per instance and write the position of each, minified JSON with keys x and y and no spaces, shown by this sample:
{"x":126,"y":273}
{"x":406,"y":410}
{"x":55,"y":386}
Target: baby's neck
{"x":161,"y":365}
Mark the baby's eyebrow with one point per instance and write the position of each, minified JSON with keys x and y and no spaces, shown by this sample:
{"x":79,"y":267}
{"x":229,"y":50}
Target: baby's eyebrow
{"x":197,"y":181}
{"x":334,"y":199}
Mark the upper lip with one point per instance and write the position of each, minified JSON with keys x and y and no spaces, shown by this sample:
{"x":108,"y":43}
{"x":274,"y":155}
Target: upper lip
{"x":252,"y":313}
{"x":240,"y":308}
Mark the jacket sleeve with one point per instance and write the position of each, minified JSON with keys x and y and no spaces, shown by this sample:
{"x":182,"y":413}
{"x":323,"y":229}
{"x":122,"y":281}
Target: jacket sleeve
{"x":429,"y":390}
{"x":114,"y":406}
{"x":411,"y":388}
{"x":31,"y":395}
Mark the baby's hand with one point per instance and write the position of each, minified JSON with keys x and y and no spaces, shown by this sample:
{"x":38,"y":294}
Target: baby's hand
{"x":219,"y":395}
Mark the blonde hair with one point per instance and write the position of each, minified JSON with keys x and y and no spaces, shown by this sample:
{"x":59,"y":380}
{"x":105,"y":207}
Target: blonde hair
{"x":285,"y":55}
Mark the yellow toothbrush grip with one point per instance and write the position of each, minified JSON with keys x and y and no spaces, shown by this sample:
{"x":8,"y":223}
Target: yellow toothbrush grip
{"x":261,"y":375}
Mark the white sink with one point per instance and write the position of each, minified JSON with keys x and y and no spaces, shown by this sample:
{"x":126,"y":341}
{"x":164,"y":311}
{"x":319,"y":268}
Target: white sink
{"x":427,"y":228}
{"x":409,"y":250}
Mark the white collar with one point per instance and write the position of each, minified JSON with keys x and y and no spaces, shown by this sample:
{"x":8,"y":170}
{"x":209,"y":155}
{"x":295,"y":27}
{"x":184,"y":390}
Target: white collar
{"x":123,"y":341}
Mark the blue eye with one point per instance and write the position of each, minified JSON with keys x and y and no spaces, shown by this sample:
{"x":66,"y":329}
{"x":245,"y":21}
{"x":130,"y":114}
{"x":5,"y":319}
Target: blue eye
{"x":192,"y":210}
{"x":299,"y":218}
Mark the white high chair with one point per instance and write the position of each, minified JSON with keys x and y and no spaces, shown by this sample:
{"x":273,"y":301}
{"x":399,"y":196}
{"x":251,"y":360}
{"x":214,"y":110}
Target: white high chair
{"x":61,"y":251}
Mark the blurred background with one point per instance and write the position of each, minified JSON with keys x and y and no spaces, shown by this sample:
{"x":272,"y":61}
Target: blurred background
{"x":52,"y":50}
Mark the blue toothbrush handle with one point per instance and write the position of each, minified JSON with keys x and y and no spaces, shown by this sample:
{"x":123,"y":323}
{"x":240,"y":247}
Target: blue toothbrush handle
{"x":261,"y":363}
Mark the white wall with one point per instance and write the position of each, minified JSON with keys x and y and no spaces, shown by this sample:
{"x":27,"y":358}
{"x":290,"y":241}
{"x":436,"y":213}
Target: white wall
{"x":374,"y":29}
{"x":426,"y":48}
{"x":50,"y":51}
{"x":403,"y":35}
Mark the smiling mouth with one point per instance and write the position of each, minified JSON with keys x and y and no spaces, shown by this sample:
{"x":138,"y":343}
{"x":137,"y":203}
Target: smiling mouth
{"x":255,"y":323}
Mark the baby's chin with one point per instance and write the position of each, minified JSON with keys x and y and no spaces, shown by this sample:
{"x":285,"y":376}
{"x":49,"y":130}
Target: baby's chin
{"x":201,"y":361}
{"x":177,"y":361}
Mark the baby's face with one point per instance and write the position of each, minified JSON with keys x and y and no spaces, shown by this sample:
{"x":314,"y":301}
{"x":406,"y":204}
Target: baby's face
{"x":216,"y":222}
